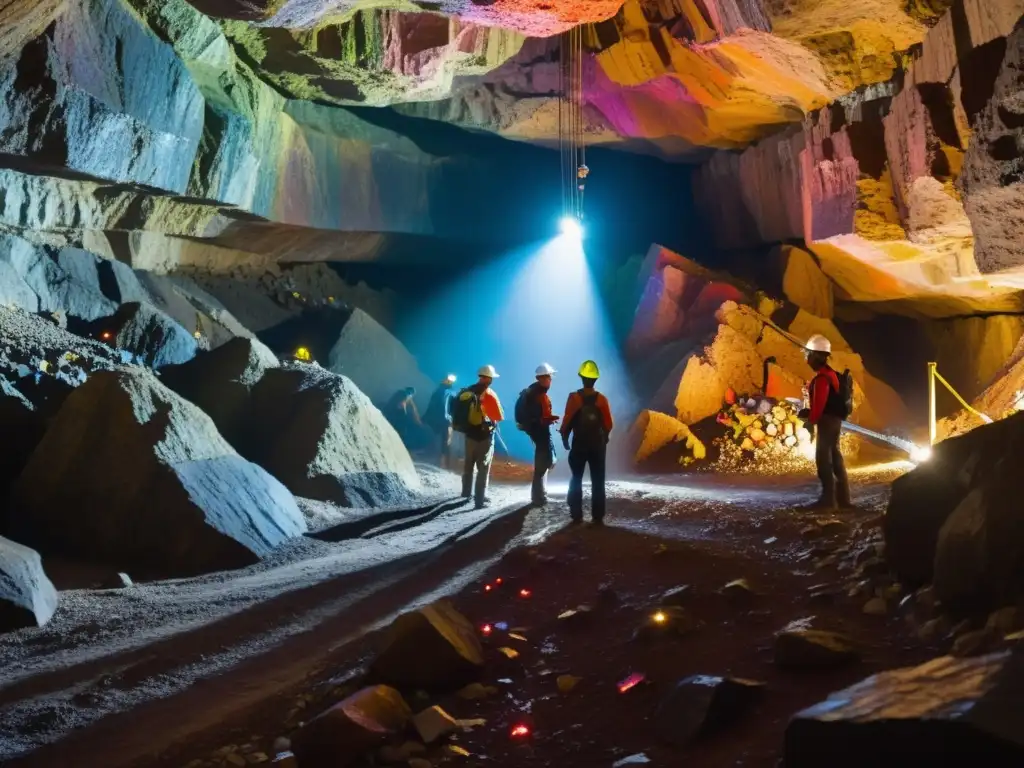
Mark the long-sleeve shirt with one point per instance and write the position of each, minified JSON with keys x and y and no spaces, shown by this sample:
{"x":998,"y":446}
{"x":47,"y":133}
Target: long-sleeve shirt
{"x":825,"y":381}
{"x":575,"y":402}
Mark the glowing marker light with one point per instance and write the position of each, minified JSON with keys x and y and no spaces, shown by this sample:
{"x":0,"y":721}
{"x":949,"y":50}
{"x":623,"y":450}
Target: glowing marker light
{"x":630,"y":682}
{"x":486,"y":629}
{"x":488,"y":587}
{"x":525,"y":593}
{"x":498,"y":580}
{"x":570,"y":226}
{"x":659,"y":618}
{"x":520,"y":731}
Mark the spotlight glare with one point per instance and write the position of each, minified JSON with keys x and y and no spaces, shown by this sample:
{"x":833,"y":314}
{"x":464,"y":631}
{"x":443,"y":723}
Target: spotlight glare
{"x":659,"y":618}
{"x":920,"y":454}
{"x":571,"y":226}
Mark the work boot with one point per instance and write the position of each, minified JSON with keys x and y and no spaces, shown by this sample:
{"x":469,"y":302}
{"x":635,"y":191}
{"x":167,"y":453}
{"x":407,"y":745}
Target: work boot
{"x":844,"y":497}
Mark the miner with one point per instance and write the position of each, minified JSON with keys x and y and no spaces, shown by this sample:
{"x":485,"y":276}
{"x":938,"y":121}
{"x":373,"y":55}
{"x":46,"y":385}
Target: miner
{"x":534,"y":417}
{"x":476,"y":412}
{"x":830,"y":398}
{"x":588,"y":421}
{"x":439,"y":418}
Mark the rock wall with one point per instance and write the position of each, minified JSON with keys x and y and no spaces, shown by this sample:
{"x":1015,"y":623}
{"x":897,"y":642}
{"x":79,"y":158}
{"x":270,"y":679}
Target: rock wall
{"x":887,"y":185}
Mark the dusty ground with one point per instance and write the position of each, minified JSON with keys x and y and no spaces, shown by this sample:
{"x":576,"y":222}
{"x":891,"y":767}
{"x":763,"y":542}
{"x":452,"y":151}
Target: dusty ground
{"x":208,"y":670}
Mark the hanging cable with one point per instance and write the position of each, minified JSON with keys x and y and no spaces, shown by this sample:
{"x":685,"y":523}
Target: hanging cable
{"x":571,"y":138}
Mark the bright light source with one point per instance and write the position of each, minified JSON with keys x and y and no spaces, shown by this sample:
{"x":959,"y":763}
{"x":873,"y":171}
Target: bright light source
{"x":488,"y":587}
{"x":520,"y":731}
{"x":659,"y":618}
{"x":570,"y":225}
{"x":498,"y":580}
{"x":920,"y":453}
{"x":486,"y":629}
{"x":524,"y":593}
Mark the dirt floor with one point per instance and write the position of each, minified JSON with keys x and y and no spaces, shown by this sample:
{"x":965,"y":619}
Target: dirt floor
{"x":703,"y":531}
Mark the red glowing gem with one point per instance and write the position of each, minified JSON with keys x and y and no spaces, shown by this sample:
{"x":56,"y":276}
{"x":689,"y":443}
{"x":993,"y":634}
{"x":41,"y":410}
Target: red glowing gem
{"x":525,"y":593}
{"x":520,"y":731}
{"x":498,"y":580}
{"x":630,"y":682}
{"x":486,"y":629}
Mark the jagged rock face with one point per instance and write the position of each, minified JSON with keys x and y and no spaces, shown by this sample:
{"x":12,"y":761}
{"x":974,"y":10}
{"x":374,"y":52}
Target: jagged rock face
{"x":887,"y":185}
{"x":132,"y":475}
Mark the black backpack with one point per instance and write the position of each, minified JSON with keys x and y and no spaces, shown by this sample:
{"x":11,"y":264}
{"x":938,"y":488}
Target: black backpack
{"x":840,"y":402}
{"x":528,"y":410}
{"x":588,"y":423}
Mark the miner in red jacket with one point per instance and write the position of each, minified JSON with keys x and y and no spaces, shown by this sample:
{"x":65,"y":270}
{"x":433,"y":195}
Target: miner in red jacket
{"x":826,"y":417}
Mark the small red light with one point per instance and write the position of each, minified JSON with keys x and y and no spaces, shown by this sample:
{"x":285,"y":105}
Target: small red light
{"x":106,"y":334}
{"x":498,"y":580}
{"x":630,"y":682}
{"x":525,"y":593}
{"x":520,"y":731}
{"x":486,"y":629}
{"x":487,"y":587}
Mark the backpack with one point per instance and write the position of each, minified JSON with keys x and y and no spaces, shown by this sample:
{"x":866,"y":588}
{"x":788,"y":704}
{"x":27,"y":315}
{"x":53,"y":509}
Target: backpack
{"x":588,"y":423}
{"x":467,"y":415}
{"x":528,"y":410}
{"x":840,"y":402}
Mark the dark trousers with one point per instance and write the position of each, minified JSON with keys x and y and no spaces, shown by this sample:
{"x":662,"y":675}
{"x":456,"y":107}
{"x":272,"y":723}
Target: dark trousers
{"x":579,"y":459}
{"x":543,"y":461}
{"x":835,"y":486}
{"x":444,"y":436}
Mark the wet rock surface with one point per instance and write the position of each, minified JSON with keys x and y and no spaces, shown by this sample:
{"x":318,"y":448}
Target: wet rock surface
{"x":702,"y":704}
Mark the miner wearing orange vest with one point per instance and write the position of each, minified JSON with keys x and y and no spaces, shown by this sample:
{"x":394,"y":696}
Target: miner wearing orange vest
{"x":588,"y":420}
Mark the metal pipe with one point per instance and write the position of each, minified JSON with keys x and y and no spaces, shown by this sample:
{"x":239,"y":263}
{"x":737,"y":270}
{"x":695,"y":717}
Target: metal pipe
{"x":931,"y":403}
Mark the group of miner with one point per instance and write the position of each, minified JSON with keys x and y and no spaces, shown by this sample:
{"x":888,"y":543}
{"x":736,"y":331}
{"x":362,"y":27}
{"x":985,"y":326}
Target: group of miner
{"x":476,"y":412}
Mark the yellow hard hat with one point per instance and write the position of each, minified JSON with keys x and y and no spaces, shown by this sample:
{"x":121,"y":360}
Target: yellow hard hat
{"x":589,"y":370}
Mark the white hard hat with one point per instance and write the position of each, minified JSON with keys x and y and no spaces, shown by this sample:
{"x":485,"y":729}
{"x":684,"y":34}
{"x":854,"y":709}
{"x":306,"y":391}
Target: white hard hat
{"x":488,"y":371}
{"x":545,"y":370}
{"x":818,"y":343}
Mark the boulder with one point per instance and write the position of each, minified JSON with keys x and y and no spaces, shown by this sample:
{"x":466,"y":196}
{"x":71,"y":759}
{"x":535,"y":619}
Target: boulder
{"x":27,"y":596}
{"x":948,"y":711}
{"x":64,"y":279}
{"x":804,"y":283}
{"x":322,"y":437}
{"x":191,"y":307}
{"x":132,"y":475}
{"x":375,"y":361}
{"x":434,"y":647}
{"x":800,"y":648}
{"x":219,"y":382}
{"x":702,"y":704}
{"x":679,"y":300}
{"x":652,"y":431}
{"x":342,"y":734}
{"x":434,"y":723}
{"x":979,"y":553}
{"x":976,"y":464}
{"x":151,"y":335}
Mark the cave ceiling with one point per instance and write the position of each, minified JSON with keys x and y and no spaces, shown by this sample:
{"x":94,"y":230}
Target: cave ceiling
{"x":670,"y":77}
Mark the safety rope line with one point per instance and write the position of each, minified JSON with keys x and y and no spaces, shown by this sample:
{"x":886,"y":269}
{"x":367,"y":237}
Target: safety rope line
{"x":985,"y":418}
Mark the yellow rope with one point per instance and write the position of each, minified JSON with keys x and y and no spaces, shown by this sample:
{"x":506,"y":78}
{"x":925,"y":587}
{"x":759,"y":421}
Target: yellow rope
{"x":979,"y":414}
